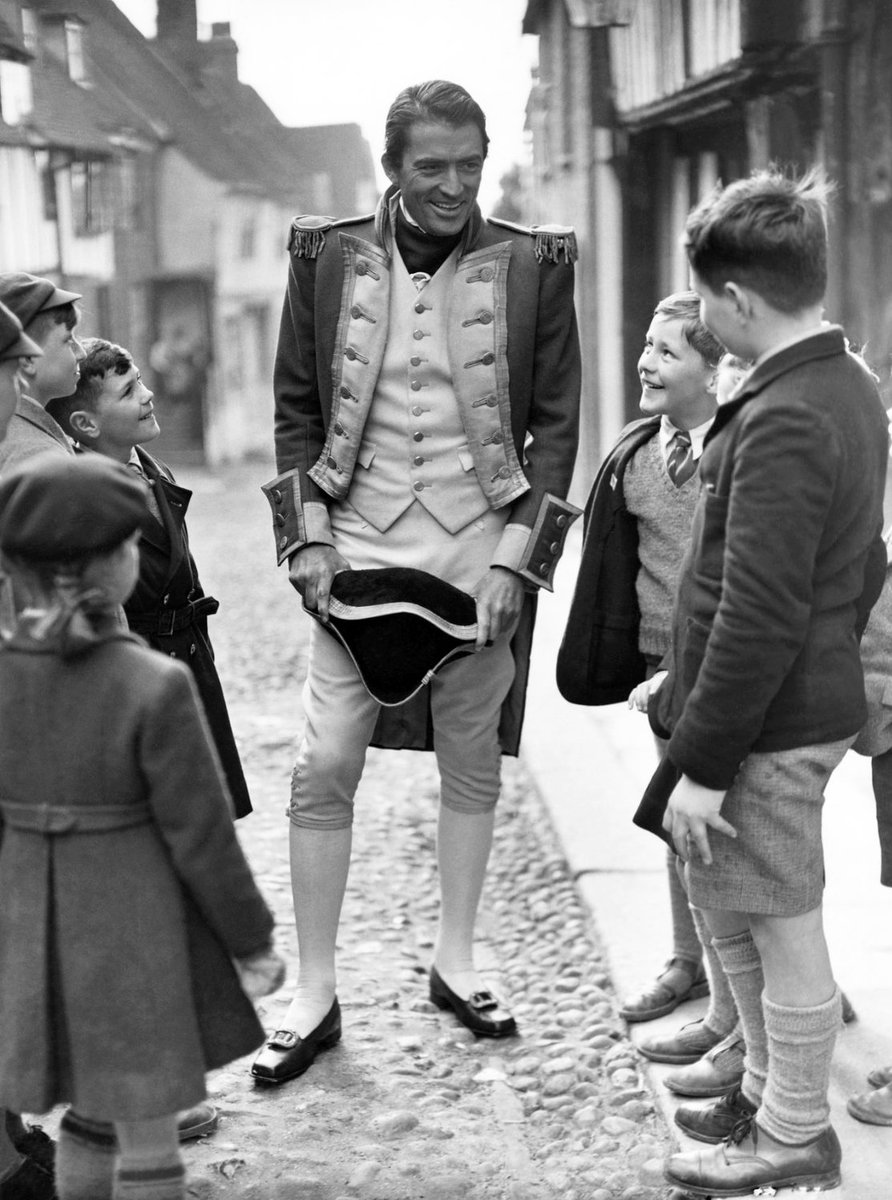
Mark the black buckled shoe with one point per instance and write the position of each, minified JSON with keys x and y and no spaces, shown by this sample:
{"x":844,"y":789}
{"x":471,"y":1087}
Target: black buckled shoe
{"x":286,"y":1055}
{"x":716,"y":1121}
{"x":739,"y":1167}
{"x":480,"y":1013}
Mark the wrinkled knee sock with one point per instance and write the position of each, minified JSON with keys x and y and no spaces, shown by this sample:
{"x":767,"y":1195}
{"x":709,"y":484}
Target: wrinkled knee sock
{"x":149,"y":1165}
{"x":794,"y":1107}
{"x":721,"y":1016}
{"x":85,"y":1159}
{"x":742,"y":965}
{"x":686,"y":940}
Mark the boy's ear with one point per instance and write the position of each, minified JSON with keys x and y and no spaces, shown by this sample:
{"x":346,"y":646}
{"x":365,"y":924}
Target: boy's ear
{"x":713,"y":386}
{"x":84,"y":424}
{"x":28,"y":366}
{"x":740,"y":299}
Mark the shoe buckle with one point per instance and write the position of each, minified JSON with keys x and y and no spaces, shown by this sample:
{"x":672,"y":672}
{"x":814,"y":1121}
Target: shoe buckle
{"x":282,"y":1039}
{"x":482,"y":1001}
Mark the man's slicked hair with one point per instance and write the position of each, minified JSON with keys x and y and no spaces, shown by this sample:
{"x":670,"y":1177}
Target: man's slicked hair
{"x":767,"y":232}
{"x":438,"y":100}
{"x":685,"y":307}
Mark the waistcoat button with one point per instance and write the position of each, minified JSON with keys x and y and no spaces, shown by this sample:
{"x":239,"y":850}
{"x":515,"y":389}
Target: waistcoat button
{"x":418,"y":436}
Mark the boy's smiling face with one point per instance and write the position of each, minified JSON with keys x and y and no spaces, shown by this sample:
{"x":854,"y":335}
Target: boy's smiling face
{"x":676,"y":381}
{"x":124,"y":414}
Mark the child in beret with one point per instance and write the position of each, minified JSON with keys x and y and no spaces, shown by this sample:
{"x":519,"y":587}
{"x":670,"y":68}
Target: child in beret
{"x":130,"y":923}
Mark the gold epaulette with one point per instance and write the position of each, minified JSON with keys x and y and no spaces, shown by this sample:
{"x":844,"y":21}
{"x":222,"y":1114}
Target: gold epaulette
{"x":307,"y":234}
{"x":552,"y":241}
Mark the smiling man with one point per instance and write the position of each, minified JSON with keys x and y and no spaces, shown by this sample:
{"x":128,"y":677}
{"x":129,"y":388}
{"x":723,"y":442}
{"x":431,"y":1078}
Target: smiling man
{"x":427,"y":391}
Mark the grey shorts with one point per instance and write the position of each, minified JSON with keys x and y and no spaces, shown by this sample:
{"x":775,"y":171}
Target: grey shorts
{"x":775,"y":865}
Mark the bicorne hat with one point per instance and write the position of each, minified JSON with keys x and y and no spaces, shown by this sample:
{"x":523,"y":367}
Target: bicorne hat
{"x":400,"y":626}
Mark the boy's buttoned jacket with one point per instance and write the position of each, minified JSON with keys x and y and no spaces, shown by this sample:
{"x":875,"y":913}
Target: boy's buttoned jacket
{"x":169,"y":609}
{"x":785,"y":561}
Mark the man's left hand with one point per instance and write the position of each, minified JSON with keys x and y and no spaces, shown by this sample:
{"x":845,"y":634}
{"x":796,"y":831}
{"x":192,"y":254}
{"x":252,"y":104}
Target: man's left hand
{"x":691,"y":812}
{"x":499,"y":596}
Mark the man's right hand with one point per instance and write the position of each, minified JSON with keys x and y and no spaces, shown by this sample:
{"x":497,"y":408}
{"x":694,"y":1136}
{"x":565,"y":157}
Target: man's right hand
{"x":311,"y":570}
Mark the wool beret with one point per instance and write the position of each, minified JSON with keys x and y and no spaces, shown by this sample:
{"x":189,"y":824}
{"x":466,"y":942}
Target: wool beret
{"x":54,"y":508}
{"x":27,"y":295}
{"x":13,"y":342}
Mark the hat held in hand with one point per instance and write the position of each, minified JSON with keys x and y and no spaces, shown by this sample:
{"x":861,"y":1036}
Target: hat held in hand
{"x":400,"y":626}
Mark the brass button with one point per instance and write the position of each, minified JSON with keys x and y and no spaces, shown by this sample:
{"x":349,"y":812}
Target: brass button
{"x":277,"y":496}
{"x":561,"y":521}
{"x":331,"y":463}
{"x":415,"y":361}
{"x":417,"y":335}
{"x":488,"y":359}
{"x":415,"y":385}
{"x":350,"y":353}
{"x":419,"y":307}
{"x":279,"y":518}
{"x":487,"y":274}
{"x":544,"y":568}
{"x":417,"y":410}
{"x":485,"y":318}
{"x":418,"y":436}
{"x":497,"y":438}
{"x":339,"y":429}
{"x":554,"y":547}
{"x":362,"y":268}
{"x":418,"y":460}
{"x":491,"y":401}
{"x":419,"y":486}
{"x":346,"y":394}
{"x":504,"y":472}
{"x":355,"y":312}
{"x":283,"y":541}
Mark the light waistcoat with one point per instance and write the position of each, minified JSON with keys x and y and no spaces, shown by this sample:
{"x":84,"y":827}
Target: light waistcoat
{"x":414,"y":447}
{"x":664,"y":514}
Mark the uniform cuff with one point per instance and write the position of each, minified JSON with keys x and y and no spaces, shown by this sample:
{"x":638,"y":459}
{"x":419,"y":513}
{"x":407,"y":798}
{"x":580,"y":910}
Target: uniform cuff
{"x":533,"y":553}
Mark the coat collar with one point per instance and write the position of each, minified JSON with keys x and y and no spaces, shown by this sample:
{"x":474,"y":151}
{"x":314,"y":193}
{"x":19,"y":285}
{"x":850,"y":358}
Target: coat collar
{"x":35,"y":414}
{"x":173,"y":501}
{"x":826,"y":343}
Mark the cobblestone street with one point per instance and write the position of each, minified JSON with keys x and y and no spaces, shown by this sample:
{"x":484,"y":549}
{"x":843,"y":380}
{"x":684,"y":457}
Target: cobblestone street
{"x":410,"y":1106}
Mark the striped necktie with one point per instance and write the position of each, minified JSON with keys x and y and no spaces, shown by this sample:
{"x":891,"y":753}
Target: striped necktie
{"x":680,"y":460}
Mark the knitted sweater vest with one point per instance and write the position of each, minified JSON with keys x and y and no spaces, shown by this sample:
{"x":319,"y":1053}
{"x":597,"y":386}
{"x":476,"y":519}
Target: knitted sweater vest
{"x":664,"y":514}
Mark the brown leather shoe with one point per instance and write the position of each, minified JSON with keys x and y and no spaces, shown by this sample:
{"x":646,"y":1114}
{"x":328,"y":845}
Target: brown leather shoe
{"x":718,"y":1120}
{"x":718,"y":1072}
{"x":690,"y":1043}
{"x":680,"y":980}
{"x":873,"y":1108}
{"x":757,"y":1161}
{"x":879,"y":1077}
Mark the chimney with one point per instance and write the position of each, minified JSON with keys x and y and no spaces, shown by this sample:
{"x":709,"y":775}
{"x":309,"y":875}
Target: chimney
{"x":221,"y":53}
{"x":177,"y":21}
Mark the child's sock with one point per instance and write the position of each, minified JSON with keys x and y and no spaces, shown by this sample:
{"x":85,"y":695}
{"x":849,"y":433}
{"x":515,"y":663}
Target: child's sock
{"x":85,"y":1159}
{"x":721,"y":1016}
{"x":149,"y":1166}
{"x":795,"y":1108}
{"x":743,"y":968}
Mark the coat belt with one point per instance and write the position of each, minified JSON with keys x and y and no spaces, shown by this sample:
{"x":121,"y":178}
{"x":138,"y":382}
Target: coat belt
{"x":167,"y":621}
{"x":69,"y":818}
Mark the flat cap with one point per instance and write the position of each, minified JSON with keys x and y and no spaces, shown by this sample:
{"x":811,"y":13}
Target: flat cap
{"x":27,"y":295}
{"x":54,"y":508}
{"x":13,"y":342}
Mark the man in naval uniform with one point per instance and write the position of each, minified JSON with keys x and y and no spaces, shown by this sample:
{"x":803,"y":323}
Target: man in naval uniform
{"x":427,"y":391}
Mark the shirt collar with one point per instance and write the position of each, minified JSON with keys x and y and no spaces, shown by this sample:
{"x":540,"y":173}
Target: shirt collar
{"x":697,"y":434}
